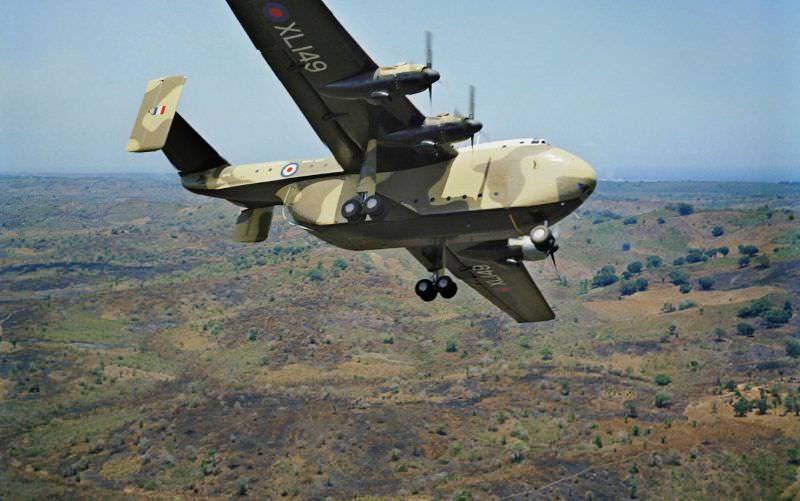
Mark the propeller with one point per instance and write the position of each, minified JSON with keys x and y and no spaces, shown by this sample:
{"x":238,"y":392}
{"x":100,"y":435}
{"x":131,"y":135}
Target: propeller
{"x":431,"y":74}
{"x":472,"y":101}
{"x":474,"y":125}
{"x":545,"y":240}
{"x":554,"y":248}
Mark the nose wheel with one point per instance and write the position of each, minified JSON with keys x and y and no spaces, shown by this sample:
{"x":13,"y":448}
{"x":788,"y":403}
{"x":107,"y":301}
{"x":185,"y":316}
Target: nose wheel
{"x":427,"y":290}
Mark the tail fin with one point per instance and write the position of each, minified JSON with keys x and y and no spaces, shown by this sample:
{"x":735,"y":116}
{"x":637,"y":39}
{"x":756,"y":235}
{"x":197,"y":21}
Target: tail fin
{"x":160,"y":127}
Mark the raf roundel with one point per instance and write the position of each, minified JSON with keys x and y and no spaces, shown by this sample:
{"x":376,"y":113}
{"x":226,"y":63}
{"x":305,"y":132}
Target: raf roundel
{"x":275,"y":12}
{"x":290,"y":170}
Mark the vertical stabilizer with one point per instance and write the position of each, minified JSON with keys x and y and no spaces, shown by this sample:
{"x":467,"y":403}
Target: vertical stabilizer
{"x":156,"y":114}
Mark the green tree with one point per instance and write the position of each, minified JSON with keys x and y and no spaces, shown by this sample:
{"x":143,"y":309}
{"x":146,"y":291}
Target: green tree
{"x":662,"y":379}
{"x":678,"y":277}
{"x":706,"y":283}
{"x":748,"y":250}
{"x":642,"y":284}
{"x":776,"y":318}
{"x":451,"y":346}
{"x":793,"y":348}
{"x":635,"y":267}
{"x":791,"y":404}
{"x":745,"y":329}
{"x":696,"y":256}
{"x":627,"y":288}
{"x":598,"y":442}
{"x":663,"y":400}
{"x":604,"y":277}
{"x":654,"y":262}
{"x":630,"y":409}
{"x":463,"y":496}
{"x":741,"y":407}
{"x":684,"y":209}
{"x":724,"y":250}
{"x":717,"y":231}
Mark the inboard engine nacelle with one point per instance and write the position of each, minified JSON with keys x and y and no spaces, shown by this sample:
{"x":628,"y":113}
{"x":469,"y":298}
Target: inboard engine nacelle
{"x":524,"y":248}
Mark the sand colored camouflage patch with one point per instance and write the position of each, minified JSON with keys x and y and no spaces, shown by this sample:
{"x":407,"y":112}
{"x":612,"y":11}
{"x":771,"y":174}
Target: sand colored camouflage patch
{"x":155,"y":114}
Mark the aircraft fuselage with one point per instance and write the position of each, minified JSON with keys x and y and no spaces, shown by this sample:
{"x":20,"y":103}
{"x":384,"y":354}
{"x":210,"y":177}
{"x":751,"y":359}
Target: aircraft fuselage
{"x":494,"y":191}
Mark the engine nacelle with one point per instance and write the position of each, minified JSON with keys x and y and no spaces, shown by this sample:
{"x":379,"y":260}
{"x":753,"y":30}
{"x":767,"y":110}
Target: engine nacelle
{"x":443,"y":129}
{"x":524,"y":248}
{"x":403,"y":79}
{"x":543,"y":239}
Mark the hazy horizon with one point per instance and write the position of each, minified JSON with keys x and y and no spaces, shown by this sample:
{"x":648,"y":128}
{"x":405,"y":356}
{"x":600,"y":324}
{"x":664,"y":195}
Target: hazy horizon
{"x":705,"y":91}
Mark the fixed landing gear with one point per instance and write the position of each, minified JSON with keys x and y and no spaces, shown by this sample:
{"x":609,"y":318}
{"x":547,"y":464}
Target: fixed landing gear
{"x":358,"y":208}
{"x":446,"y":287}
{"x":427,"y":290}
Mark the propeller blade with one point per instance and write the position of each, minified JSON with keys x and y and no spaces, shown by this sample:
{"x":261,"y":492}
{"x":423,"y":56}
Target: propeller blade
{"x":472,"y":141}
{"x":472,"y":101}
{"x":553,"y":257}
{"x":428,"y":49}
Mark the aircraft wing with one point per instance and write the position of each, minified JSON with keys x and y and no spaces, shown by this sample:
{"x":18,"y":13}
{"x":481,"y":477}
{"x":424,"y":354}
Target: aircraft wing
{"x":484,"y":267}
{"x":307,"y":49}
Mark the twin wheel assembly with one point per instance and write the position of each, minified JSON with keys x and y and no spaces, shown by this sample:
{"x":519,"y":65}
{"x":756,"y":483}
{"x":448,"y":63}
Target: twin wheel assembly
{"x":428,"y":289}
{"x":358,"y":208}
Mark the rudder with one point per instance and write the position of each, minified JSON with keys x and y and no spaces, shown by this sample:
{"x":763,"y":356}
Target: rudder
{"x":159,"y":126}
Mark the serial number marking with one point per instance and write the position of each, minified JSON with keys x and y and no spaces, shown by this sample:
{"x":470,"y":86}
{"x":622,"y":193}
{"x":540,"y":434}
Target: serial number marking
{"x":486,"y":274}
{"x":306,"y":54}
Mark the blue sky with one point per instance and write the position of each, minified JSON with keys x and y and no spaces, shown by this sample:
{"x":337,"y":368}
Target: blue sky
{"x":641,"y":90}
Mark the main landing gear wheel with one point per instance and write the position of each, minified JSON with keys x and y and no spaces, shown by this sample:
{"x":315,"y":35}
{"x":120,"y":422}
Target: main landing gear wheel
{"x":426,"y":290}
{"x":446,"y":287}
{"x":375,"y":207}
{"x":352,"y":210}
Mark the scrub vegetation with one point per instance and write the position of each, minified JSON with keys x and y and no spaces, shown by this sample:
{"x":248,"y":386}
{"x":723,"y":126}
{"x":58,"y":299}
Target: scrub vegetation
{"x":143,"y":354}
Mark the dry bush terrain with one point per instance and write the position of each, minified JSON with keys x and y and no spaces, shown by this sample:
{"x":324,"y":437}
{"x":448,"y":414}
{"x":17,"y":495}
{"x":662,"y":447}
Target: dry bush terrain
{"x":145,"y":355}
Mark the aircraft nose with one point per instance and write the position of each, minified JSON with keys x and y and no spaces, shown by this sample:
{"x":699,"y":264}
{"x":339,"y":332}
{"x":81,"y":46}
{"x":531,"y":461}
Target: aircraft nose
{"x":588,"y":179}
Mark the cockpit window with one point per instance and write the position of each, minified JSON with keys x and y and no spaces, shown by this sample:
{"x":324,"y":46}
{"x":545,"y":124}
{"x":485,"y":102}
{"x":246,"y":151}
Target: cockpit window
{"x":539,"y":141}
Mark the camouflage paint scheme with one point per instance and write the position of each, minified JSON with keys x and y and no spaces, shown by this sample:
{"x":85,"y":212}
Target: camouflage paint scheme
{"x":500,"y":189}
{"x":452,"y":209}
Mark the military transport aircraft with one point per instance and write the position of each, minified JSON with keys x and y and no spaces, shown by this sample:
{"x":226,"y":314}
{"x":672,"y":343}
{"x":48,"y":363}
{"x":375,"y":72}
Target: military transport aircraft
{"x":395,"y":178}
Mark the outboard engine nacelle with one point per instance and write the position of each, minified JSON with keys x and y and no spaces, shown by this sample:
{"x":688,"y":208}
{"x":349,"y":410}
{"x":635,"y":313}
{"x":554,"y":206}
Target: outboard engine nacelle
{"x":403,"y":79}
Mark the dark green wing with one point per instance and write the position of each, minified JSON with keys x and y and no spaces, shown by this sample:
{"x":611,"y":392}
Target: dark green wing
{"x":307,"y":48}
{"x":507,"y":284}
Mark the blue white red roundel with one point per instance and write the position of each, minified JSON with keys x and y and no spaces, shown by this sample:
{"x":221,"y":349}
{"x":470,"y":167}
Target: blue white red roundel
{"x":275,"y":12}
{"x":290,"y":170}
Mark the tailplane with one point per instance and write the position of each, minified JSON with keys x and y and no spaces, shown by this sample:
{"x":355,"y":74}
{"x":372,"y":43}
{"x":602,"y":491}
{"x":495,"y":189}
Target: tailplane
{"x":159,"y":126}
